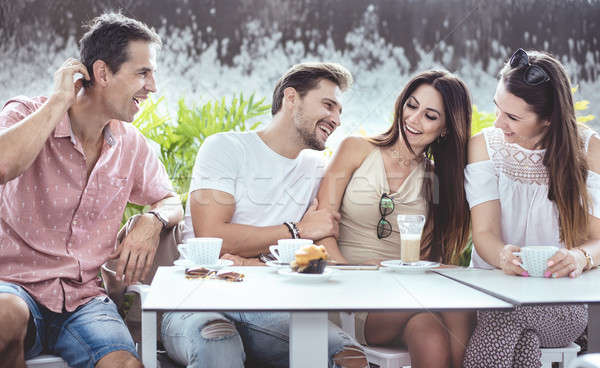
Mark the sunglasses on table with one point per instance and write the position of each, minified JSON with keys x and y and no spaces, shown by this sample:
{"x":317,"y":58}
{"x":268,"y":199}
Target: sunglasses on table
{"x":204,"y":273}
{"x":386,"y":206}
{"x":534,"y":75}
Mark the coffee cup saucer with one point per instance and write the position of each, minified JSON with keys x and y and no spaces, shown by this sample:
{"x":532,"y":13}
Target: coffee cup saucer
{"x":399,"y":266}
{"x":187,"y":264}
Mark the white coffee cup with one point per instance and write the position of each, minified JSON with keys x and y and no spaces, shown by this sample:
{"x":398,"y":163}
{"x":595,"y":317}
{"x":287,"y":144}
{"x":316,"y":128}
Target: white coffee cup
{"x":285,"y":250}
{"x":534,"y":259}
{"x":201,"y":251}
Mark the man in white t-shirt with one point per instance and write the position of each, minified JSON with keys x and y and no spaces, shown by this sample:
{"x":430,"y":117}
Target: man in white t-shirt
{"x":252,"y":189}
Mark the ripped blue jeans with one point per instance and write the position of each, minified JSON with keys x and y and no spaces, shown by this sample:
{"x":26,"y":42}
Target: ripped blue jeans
{"x":81,"y":337}
{"x":259,"y":337}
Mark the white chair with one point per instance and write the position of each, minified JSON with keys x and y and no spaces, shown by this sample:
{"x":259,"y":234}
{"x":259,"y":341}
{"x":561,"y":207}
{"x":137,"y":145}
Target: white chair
{"x":384,"y":357}
{"x":46,"y":361}
{"x":564,"y":356}
{"x":586,"y":361}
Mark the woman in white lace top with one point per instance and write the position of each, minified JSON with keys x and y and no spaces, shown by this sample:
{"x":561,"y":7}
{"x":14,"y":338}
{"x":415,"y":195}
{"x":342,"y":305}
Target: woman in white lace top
{"x":532,"y":179}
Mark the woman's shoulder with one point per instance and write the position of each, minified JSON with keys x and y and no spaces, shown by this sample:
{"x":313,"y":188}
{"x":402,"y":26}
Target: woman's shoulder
{"x":477,"y":149}
{"x":353,"y":150}
{"x":593,"y":153}
{"x":357,"y":146}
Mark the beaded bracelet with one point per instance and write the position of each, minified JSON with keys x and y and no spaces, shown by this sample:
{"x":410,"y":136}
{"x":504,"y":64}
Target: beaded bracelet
{"x":293,"y":229}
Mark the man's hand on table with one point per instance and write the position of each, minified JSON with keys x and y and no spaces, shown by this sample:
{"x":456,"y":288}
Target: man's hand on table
{"x":136,"y":252}
{"x":241,"y":261}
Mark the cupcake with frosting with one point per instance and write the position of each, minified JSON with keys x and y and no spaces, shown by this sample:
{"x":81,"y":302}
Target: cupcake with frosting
{"x":310,"y":259}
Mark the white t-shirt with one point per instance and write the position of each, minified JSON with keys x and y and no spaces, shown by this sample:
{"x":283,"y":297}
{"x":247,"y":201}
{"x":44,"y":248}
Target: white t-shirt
{"x":268,"y":188}
{"x":518,"y":179}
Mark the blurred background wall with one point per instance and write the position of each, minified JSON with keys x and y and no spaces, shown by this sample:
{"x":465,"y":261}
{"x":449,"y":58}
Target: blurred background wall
{"x":215,"y":48}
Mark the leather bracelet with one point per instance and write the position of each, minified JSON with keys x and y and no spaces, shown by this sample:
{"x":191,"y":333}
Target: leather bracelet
{"x":588,"y":258}
{"x":293,"y":229}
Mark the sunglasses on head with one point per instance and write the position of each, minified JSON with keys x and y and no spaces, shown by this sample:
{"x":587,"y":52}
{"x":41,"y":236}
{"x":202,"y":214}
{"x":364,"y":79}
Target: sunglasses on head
{"x":386,"y":206}
{"x":534,"y":75}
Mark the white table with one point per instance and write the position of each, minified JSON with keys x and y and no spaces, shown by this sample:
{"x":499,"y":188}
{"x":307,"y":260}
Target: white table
{"x":265,"y":290}
{"x":538,"y":290}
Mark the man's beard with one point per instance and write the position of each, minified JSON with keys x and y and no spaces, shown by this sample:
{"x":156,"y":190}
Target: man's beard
{"x":307,"y":137}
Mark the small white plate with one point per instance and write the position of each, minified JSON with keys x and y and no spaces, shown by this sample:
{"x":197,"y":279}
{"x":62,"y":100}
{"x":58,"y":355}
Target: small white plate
{"x":277,"y":264}
{"x":307,"y":277}
{"x":187,"y":263}
{"x":399,"y":266}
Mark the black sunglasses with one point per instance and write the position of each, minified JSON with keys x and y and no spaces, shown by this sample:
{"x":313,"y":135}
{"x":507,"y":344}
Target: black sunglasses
{"x":534,"y":75}
{"x":386,"y":206}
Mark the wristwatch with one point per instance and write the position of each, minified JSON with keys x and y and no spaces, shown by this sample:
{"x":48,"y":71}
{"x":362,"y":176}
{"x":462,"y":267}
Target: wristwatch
{"x":588,"y":258}
{"x":160,"y":218}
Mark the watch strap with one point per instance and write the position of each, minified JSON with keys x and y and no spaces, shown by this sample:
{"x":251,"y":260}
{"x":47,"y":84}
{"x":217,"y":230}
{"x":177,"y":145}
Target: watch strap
{"x":160,"y":218}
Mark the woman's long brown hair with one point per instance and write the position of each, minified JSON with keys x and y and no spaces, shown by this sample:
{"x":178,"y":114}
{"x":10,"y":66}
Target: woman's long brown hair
{"x":448,"y":217}
{"x":565,"y":154}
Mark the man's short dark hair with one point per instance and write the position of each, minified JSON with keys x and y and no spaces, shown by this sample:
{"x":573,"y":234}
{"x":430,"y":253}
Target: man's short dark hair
{"x":107,"y":39}
{"x":305,"y":77}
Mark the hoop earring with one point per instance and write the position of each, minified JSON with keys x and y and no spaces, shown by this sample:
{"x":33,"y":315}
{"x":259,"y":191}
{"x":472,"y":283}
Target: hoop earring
{"x":441,"y":138}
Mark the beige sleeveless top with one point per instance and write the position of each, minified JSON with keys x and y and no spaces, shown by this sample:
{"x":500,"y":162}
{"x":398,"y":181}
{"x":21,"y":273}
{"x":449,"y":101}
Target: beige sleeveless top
{"x":360,"y":210}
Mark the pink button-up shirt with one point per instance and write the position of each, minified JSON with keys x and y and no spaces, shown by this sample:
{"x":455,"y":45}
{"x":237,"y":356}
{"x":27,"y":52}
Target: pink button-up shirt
{"x":56,"y":227}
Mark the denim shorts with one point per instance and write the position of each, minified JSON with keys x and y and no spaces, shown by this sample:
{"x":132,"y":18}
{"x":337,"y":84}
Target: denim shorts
{"x":81,"y":337}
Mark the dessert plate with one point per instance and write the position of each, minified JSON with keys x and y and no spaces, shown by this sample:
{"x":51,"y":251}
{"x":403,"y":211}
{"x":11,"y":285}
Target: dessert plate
{"x":187,"y":263}
{"x":307,"y":277}
{"x":399,"y":266}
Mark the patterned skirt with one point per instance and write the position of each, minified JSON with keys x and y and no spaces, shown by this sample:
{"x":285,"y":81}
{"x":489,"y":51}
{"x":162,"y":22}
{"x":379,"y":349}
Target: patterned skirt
{"x":513,"y":338}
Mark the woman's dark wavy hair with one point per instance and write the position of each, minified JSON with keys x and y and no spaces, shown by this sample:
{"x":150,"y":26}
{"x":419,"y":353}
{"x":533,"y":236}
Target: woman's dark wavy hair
{"x":107,"y":38}
{"x":447,"y":227}
{"x":565,"y":154}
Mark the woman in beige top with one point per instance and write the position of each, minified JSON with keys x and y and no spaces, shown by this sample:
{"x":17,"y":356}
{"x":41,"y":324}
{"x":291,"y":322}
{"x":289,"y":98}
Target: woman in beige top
{"x":433,"y":119}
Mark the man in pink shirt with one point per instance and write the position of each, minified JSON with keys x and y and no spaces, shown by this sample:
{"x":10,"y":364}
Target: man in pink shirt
{"x":69,"y":163}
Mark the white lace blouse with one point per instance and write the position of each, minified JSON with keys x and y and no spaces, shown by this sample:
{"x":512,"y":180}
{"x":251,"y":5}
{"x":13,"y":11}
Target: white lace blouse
{"x":518,"y":179}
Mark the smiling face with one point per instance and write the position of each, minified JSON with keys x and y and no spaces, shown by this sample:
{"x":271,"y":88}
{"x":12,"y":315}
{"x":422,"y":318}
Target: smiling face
{"x":424,"y":118}
{"x":517,"y":120}
{"x":318,"y":115}
{"x":130,"y":86}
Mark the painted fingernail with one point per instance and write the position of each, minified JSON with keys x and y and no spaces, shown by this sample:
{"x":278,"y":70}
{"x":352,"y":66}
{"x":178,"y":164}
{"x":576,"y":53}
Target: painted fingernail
{"x":547,"y":274}
{"x":550,"y":263}
{"x":572,"y":274}
{"x":555,"y":275}
{"x":515,"y":262}
{"x":525,"y":274}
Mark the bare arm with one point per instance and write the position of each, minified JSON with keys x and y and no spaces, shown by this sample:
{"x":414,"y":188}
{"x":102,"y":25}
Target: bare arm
{"x":136,"y":252}
{"x":485,"y":218}
{"x":346,"y":160}
{"x":212,"y":211}
{"x":21,"y":143}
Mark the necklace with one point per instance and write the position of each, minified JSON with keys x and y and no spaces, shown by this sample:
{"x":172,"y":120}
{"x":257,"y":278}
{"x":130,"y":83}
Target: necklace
{"x":400,"y":160}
